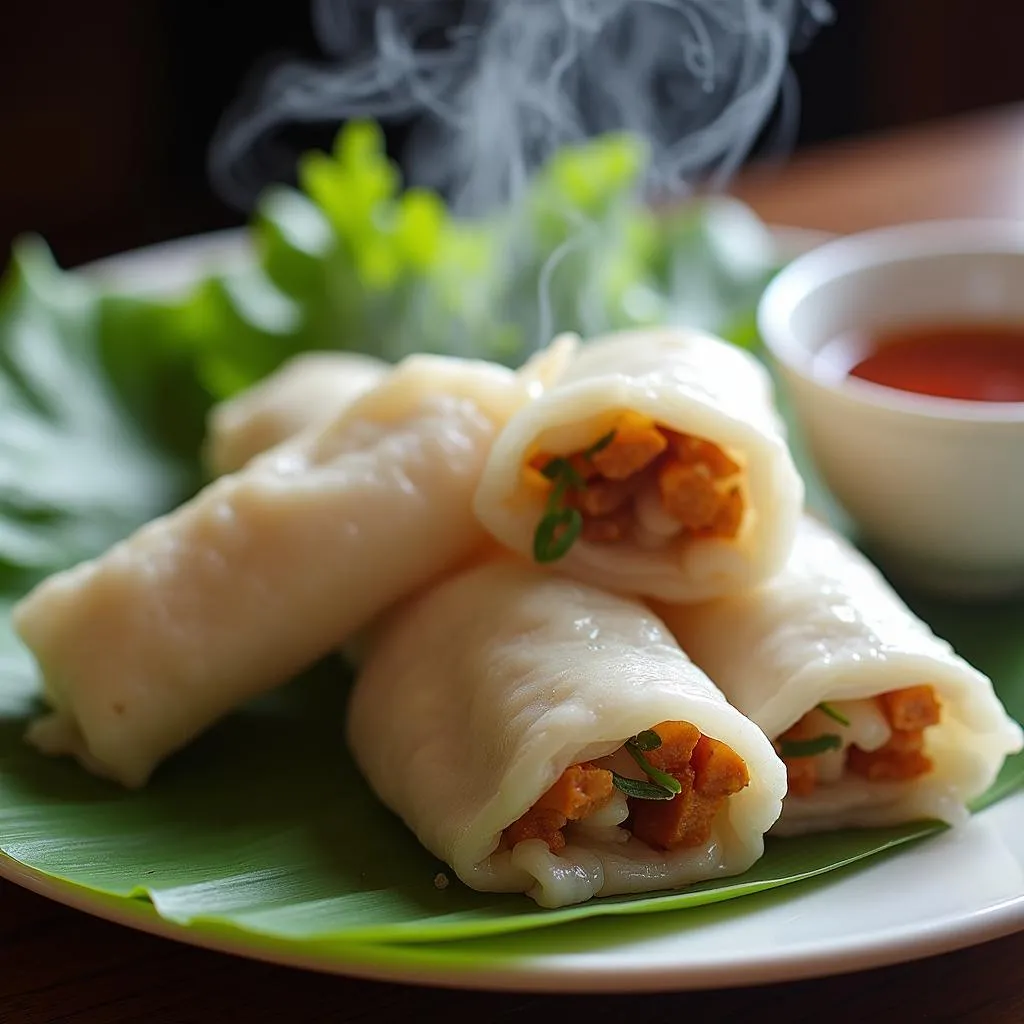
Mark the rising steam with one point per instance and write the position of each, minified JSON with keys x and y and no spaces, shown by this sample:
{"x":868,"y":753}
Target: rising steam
{"x":496,"y":85}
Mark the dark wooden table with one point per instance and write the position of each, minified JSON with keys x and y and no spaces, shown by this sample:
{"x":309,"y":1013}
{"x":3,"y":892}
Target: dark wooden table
{"x":60,"y":965}
{"x":969,"y":167}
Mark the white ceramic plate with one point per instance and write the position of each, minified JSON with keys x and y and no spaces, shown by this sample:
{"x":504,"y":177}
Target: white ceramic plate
{"x":953,"y":890}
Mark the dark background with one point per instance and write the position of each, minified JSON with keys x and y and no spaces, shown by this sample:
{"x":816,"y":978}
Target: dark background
{"x":107,"y":107}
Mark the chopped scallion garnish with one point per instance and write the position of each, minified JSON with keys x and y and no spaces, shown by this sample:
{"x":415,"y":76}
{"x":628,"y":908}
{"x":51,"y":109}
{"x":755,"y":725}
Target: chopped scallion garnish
{"x":561,"y":525}
{"x":809,"y":748}
{"x":647,"y":740}
{"x":600,"y":444}
{"x":641,"y":790}
{"x":556,"y":533}
{"x":836,"y":716}
{"x":661,"y":785}
{"x":656,"y":775}
{"x":562,"y":470}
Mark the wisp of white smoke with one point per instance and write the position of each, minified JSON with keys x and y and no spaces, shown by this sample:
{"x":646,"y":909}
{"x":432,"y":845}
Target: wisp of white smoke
{"x":495,"y":86}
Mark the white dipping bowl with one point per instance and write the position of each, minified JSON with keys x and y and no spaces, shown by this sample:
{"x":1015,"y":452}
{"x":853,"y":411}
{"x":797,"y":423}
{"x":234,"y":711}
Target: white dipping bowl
{"x":935,"y":485}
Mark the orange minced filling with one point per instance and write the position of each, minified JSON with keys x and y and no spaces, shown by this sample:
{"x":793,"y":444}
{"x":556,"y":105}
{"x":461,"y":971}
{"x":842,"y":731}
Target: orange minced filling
{"x":696,"y":483}
{"x":579,"y":791}
{"x":908,"y":711}
{"x":708,"y":771}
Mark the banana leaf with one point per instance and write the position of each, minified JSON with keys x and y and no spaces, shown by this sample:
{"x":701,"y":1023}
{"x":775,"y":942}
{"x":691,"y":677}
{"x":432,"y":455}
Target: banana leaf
{"x":265,"y":827}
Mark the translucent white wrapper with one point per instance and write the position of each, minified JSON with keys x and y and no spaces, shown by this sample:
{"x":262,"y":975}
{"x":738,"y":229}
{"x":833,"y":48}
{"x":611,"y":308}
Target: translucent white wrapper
{"x":830,"y":628}
{"x":308,"y":390}
{"x":477,"y":694}
{"x":692,"y":383}
{"x":267,"y":569}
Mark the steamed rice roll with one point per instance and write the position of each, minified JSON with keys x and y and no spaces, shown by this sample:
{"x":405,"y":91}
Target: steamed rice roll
{"x":496,"y":712}
{"x":656,"y":466}
{"x":308,"y":390}
{"x":878,"y":720}
{"x":267,"y":569}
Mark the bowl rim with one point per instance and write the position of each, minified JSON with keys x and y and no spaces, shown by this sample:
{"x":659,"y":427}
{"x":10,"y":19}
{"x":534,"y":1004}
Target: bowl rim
{"x":902,"y":243}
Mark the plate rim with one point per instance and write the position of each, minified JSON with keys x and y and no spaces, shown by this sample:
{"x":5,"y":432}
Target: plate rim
{"x":399,"y":963}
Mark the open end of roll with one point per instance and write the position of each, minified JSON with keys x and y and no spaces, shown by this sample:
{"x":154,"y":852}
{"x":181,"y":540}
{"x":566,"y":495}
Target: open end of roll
{"x":639,"y":483}
{"x":664,"y":786}
{"x":880,"y":739}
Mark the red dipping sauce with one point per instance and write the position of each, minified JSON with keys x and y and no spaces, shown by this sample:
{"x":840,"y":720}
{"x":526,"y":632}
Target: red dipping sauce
{"x":972,"y":362}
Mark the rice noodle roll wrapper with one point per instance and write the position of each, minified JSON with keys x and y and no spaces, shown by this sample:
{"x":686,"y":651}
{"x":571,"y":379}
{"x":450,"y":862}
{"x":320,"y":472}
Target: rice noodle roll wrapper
{"x":268,"y":569}
{"x":879,"y":721}
{"x":308,"y":390}
{"x":492,"y":709}
{"x":667,"y":446}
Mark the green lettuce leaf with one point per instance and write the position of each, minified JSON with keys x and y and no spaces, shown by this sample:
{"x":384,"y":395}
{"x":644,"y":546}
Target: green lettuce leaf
{"x":76,"y":471}
{"x":379,"y":269}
